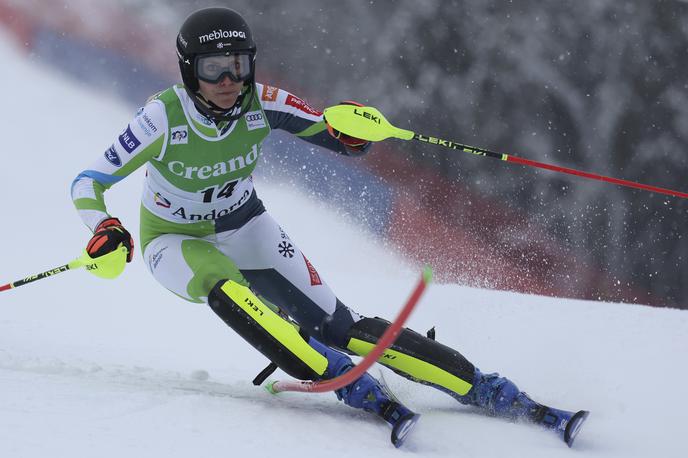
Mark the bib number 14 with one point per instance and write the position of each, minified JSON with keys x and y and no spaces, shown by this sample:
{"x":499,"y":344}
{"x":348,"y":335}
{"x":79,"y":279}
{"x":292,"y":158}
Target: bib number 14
{"x":225,"y":191}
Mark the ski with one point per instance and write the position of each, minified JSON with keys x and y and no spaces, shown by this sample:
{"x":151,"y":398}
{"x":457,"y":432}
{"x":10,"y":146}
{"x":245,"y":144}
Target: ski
{"x":402,"y":422}
{"x":573,"y":426}
{"x":566,"y":424}
{"x":402,"y":427}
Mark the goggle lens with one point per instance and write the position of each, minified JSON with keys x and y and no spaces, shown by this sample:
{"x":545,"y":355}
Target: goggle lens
{"x":214,"y":68}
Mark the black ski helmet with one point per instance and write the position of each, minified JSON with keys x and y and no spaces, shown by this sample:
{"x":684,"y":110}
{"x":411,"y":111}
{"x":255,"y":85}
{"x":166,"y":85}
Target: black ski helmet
{"x":215,"y":31}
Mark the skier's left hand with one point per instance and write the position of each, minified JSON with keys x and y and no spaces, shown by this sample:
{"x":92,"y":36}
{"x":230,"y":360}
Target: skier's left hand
{"x":356,"y":144}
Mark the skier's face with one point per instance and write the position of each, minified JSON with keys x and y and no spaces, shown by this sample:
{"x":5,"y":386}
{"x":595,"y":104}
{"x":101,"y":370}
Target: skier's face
{"x":223,"y":94}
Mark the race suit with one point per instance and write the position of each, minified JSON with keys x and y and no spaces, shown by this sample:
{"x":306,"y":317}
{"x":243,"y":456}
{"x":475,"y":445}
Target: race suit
{"x":203,"y":227}
{"x":202,"y":222}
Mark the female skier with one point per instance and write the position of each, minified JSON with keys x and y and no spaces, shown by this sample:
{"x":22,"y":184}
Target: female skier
{"x":207,"y":237}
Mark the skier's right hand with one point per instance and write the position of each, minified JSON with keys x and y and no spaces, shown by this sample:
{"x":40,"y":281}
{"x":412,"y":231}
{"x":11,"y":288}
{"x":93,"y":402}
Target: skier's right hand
{"x":108,"y":236}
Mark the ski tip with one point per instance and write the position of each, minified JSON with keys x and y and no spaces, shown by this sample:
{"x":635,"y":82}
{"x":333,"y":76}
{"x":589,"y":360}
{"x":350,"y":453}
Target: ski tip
{"x":403,"y":427}
{"x":574,"y":425}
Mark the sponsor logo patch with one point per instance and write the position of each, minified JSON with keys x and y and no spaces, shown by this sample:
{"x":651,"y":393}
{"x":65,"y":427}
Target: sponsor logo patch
{"x":202,"y":119}
{"x":128,"y":140}
{"x":179,"y":135}
{"x":210,"y":171}
{"x":213,"y":214}
{"x":296,"y":102}
{"x":315,"y":278}
{"x":112,"y":157}
{"x":254,"y":120}
{"x":269,"y":93}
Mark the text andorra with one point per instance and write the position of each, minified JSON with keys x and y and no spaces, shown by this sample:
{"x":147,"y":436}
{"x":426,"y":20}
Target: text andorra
{"x":209,"y":171}
{"x":213,"y":214}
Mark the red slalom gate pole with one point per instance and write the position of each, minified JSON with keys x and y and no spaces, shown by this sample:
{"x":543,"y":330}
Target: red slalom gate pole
{"x":387,"y":339}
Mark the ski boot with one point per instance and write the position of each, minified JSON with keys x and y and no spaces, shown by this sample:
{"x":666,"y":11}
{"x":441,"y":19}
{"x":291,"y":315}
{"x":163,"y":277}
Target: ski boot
{"x":500,"y":397}
{"x":368,"y":394}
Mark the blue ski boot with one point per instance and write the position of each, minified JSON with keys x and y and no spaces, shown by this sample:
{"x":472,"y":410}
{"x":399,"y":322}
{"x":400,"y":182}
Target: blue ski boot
{"x":500,"y":397}
{"x":368,"y":394}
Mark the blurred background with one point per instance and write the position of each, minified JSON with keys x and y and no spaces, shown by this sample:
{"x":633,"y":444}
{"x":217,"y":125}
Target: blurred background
{"x":596,"y":85}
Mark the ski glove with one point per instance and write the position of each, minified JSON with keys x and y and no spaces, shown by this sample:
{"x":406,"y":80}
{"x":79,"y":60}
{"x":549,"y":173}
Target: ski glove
{"x":358,"y":145}
{"x":108,"y":236}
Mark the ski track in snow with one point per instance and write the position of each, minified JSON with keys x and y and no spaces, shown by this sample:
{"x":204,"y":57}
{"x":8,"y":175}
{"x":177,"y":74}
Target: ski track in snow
{"x":116,"y":368}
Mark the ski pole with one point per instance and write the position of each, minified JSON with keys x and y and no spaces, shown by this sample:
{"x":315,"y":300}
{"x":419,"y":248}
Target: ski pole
{"x":368,"y":123}
{"x":107,"y":266}
{"x":387,"y":339}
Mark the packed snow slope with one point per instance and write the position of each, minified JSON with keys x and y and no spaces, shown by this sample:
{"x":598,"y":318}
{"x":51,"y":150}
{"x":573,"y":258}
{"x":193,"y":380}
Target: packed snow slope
{"x":90,"y":367}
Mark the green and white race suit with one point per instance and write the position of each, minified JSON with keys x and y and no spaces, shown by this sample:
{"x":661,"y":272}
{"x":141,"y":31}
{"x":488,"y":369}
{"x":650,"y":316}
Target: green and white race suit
{"x":201,"y":220}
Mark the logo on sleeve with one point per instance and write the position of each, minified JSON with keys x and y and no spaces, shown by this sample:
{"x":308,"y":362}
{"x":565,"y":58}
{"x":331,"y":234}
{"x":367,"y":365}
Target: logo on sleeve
{"x":302,"y":105}
{"x":254,"y":120}
{"x":128,"y":140}
{"x":269,"y":93}
{"x":179,"y":135}
{"x":112,"y":157}
{"x":146,"y":124}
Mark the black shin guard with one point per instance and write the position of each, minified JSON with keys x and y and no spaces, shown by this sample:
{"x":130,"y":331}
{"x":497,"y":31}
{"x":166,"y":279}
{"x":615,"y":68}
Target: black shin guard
{"x":415,"y":356}
{"x":266,"y":331}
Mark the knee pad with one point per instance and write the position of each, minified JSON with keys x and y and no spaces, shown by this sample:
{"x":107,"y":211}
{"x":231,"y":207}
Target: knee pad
{"x":273,"y":336}
{"x":415,"y":356}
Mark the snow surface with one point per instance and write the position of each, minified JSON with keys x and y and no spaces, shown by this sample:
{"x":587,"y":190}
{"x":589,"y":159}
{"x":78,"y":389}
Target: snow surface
{"x":90,"y":367}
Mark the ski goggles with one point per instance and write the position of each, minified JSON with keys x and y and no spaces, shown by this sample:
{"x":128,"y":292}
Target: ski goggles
{"x":213,"y":68}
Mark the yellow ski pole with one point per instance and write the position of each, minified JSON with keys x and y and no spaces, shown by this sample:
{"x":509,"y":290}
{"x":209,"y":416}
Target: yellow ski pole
{"x":107,"y":266}
{"x":367,"y":123}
